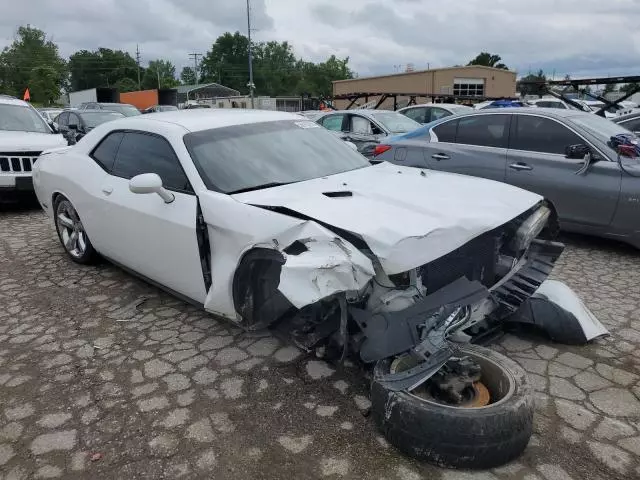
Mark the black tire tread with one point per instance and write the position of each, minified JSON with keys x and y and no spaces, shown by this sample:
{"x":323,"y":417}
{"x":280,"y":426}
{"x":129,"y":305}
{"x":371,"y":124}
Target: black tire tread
{"x":458,"y":438}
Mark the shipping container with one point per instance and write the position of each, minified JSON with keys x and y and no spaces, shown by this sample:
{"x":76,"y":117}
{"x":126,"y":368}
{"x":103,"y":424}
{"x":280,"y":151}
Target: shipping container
{"x":143,"y":99}
{"x":100,"y":94}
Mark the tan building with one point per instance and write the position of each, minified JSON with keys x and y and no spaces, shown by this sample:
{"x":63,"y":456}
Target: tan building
{"x":471,"y":81}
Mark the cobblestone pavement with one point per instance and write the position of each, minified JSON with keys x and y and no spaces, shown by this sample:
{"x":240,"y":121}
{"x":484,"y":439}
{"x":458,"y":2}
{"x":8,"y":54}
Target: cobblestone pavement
{"x":104,"y":376}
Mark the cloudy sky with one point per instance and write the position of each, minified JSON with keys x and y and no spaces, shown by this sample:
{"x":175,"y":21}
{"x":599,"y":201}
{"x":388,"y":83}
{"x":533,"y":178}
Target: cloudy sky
{"x":579,"y":37}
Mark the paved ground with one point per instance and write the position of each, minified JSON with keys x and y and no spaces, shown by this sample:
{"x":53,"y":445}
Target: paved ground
{"x":103,"y":376}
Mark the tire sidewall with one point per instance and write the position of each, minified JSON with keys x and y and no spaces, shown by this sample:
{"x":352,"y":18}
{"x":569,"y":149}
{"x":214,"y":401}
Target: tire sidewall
{"x":89,"y":254}
{"x":457,"y":437}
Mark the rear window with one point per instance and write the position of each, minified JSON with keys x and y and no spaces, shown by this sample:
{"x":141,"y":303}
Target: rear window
{"x":395,"y":122}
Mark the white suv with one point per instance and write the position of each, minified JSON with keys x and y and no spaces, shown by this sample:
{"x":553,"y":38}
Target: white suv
{"x":24,"y":134}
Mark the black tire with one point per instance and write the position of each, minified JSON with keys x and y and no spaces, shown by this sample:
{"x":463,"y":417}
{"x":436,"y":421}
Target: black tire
{"x":84,"y":256}
{"x":453,"y":437}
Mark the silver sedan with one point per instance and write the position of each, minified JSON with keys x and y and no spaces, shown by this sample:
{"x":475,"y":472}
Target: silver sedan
{"x":567,"y":156}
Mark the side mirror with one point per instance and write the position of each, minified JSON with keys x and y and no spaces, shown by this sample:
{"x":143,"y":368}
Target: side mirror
{"x":577,"y":152}
{"x":150,"y":183}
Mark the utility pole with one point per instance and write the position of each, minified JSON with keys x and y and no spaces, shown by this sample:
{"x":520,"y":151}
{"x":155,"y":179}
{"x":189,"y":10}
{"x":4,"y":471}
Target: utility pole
{"x":138,"y":62}
{"x":251,"y":85}
{"x":195,"y":64}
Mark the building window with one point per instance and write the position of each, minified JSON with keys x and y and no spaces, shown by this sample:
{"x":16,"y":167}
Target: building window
{"x":468,"y":87}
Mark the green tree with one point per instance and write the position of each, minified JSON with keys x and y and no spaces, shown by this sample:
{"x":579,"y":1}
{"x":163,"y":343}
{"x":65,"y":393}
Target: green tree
{"x":159,"y":74}
{"x":126,"y":85}
{"x":629,"y":87}
{"x":526,"y":88}
{"x":610,"y":87}
{"x":32,"y":61}
{"x":188,"y":76}
{"x":227,"y":62}
{"x":486,"y":59}
{"x":276,"y":69}
{"x":101,"y":68}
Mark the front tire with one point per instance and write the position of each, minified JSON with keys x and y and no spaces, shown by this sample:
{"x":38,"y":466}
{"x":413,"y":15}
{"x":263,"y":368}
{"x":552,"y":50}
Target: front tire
{"x":456,"y":437}
{"x":71,"y":232}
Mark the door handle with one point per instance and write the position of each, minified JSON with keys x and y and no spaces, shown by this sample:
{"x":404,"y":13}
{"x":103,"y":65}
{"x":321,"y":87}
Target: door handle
{"x":107,"y":189}
{"x":440,"y":156}
{"x":520,"y":166}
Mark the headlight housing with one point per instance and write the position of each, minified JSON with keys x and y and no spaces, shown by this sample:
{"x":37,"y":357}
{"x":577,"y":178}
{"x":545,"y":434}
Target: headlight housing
{"x":530,"y":229}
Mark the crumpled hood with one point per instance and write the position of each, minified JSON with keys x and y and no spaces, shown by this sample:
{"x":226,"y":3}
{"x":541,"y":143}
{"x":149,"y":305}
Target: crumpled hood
{"x":29,"y":141}
{"x":407,"y":216}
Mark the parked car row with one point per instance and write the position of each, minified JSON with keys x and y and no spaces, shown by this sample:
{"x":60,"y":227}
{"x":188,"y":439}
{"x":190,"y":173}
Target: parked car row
{"x":402,"y":269}
{"x":567,"y":156}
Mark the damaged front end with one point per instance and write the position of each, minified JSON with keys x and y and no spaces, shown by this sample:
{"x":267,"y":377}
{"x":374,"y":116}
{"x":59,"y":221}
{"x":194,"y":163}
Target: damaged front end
{"x":332,"y":292}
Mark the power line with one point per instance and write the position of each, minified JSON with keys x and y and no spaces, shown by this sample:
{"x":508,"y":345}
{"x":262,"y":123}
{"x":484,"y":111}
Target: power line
{"x":138,"y":62}
{"x":251,"y":85}
{"x":195,"y":64}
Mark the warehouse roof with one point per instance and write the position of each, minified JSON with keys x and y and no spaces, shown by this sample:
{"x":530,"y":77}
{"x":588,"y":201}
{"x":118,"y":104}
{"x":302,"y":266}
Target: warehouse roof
{"x":416,"y":72}
{"x":221,"y":89}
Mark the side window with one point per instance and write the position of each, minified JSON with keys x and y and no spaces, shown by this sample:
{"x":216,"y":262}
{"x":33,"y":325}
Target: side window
{"x":74,"y":119}
{"x":360,"y":125}
{"x":484,"y":130}
{"x":333,"y":122}
{"x":446,"y":132}
{"x":417,"y":114}
{"x":105,"y":153}
{"x":143,"y":153}
{"x":539,"y":134}
{"x":63,"y":119}
{"x":438,"y":113}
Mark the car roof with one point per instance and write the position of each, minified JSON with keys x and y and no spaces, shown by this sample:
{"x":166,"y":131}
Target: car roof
{"x":96,"y":110}
{"x":548,"y":112}
{"x":7,"y":100}
{"x":628,"y":116}
{"x":435,"y":105}
{"x":112,"y":103}
{"x":196,"y":120}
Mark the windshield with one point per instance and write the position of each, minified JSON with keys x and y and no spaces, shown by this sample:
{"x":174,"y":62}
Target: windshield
{"x":17,"y":118}
{"x":126,"y":110}
{"x":166,"y":108}
{"x":245,"y":157}
{"x":599,"y":127}
{"x":94,"y":119}
{"x":395,"y":122}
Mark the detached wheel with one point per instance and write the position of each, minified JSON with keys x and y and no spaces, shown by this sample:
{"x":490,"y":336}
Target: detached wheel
{"x":71,"y":232}
{"x":478,"y":420}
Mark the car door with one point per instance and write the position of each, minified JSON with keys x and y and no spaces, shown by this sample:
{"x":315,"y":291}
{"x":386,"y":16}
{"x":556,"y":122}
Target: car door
{"x":536,"y":161}
{"x":142,"y":232}
{"x":474,"y":145}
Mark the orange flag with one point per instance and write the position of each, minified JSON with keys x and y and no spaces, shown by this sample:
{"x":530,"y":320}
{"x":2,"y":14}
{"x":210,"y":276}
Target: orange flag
{"x":27,"y":97}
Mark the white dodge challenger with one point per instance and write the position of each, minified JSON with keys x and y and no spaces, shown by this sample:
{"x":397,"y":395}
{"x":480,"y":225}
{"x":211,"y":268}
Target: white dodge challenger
{"x":266,"y":219}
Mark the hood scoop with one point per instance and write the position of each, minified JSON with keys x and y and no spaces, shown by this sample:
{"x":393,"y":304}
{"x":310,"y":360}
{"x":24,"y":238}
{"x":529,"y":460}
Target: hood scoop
{"x":344,"y":193}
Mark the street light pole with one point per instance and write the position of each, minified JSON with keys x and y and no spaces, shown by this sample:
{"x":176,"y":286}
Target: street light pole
{"x":251,"y":85}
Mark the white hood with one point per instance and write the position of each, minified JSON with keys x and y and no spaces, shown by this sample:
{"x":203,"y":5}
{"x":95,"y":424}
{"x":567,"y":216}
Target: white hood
{"x":29,"y":141}
{"x":407,"y":216}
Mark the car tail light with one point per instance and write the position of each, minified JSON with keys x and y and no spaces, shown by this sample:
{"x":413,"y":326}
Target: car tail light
{"x":380,"y":149}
